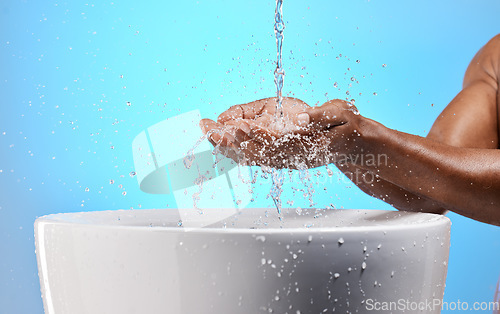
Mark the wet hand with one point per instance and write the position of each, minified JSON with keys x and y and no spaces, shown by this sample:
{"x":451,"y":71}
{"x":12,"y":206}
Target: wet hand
{"x":234,"y":132}
{"x":306,"y":137}
{"x":339,"y":121}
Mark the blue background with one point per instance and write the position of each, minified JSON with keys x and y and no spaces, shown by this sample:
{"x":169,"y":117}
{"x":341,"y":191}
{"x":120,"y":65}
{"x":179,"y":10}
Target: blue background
{"x":79,"y":80}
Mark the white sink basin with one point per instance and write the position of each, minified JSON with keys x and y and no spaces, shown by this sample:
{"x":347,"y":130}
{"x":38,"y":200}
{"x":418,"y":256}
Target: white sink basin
{"x":142,"y":261}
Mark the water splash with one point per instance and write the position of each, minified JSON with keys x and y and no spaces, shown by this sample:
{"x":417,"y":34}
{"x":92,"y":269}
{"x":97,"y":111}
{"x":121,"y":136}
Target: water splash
{"x":300,"y":161}
{"x":277,"y":188}
{"x":189,"y":158}
{"x":188,"y":161}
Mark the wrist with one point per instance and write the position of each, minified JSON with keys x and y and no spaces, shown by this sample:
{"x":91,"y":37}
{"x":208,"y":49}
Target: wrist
{"x":367,"y":140}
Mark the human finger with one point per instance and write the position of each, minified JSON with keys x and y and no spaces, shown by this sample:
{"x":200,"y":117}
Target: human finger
{"x":244,"y":111}
{"x":260,"y":132}
{"x":241,"y":131}
{"x":229,"y":151}
{"x":256,"y":144}
{"x":251,"y":130}
{"x":228,"y":139}
{"x":328,"y":115}
{"x":212,"y":129}
{"x":218,"y":134}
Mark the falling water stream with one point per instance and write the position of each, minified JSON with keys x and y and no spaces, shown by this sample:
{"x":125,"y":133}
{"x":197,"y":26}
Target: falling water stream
{"x":279,"y":75}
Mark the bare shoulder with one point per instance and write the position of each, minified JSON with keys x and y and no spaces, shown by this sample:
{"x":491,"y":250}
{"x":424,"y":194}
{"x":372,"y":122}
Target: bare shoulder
{"x":485,"y":65}
{"x":471,"y":118}
{"x":493,"y":45}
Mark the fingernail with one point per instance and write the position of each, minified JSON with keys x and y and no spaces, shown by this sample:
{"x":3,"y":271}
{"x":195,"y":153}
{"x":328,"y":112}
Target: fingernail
{"x":303,"y":119}
{"x":229,"y":137}
{"x":245,"y":128}
{"x":203,"y":127}
{"x":214,"y":137}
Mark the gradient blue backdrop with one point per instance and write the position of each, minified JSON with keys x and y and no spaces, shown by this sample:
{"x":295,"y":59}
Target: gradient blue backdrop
{"x":79,"y":80}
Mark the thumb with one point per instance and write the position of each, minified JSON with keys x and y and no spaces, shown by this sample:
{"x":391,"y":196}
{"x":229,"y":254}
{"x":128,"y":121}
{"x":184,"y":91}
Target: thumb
{"x":326,"y":116}
{"x":314,"y":117}
{"x":303,"y":119}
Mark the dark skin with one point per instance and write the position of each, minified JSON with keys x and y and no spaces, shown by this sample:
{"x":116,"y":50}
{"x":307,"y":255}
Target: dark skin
{"x":456,"y":167}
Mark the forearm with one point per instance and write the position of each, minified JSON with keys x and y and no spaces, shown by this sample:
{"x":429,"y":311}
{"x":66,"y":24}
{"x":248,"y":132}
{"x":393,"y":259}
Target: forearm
{"x":388,"y":192}
{"x":464,"y":180}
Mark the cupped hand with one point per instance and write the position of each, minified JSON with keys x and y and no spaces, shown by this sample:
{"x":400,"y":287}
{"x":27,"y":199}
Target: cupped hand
{"x":240,"y":129}
{"x":306,"y":137}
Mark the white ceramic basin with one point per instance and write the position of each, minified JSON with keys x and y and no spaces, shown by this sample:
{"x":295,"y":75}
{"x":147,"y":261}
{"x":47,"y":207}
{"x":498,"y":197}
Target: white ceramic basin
{"x":142,"y":261}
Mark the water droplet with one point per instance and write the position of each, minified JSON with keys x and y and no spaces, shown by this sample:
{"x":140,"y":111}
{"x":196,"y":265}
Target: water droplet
{"x":384,"y":65}
{"x":260,"y":238}
{"x":111,"y":181}
{"x":179,"y":223}
{"x":188,"y":160}
{"x":124,"y":193}
{"x":309,"y":239}
{"x":341,"y":241}
{"x":363,"y":265}
{"x":329,"y":171}
{"x":132,"y":174}
{"x":87,"y":189}
{"x":336,"y":275}
{"x":129,"y":103}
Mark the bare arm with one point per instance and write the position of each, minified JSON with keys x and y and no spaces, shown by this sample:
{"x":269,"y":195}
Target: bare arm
{"x":457,"y":167}
{"x":470,"y":120}
{"x":464,"y":180}
{"x":373,"y":185}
